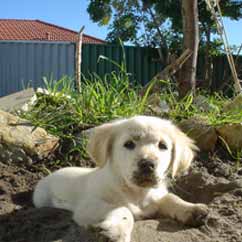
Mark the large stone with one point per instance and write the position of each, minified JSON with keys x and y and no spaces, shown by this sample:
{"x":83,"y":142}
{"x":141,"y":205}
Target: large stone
{"x":203,"y":104}
{"x":157,"y":105}
{"x":20,"y":140}
{"x":233,"y":106}
{"x":232,"y":135}
{"x":16,"y":100}
{"x":198,"y":129}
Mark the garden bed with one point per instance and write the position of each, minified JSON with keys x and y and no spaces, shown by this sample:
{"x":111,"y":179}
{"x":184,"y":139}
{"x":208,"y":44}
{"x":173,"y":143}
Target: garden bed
{"x":207,"y":182}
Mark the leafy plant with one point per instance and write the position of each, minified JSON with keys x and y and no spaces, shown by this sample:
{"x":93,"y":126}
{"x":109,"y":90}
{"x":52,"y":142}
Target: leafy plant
{"x":212,"y":107}
{"x":65,"y":113}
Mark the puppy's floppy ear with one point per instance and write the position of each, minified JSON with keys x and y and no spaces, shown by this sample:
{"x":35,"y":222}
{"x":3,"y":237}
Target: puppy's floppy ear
{"x":99,"y":143}
{"x":184,"y":151}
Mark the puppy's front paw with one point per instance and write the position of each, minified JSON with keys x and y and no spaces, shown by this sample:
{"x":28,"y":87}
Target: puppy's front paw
{"x":106,"y":232}
{"x":196,"y":215}
{"x":100,"y":234}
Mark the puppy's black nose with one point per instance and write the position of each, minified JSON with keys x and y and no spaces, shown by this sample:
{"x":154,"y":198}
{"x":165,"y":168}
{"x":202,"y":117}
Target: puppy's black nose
{"x":146,"y":166}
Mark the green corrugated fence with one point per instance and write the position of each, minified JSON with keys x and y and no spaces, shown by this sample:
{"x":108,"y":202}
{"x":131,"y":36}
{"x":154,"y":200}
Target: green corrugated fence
{"x":142,"y":63}
{"x":25,"y":63}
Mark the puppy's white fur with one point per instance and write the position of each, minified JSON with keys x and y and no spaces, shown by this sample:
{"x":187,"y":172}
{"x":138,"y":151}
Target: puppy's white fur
{"x":113,"y":195}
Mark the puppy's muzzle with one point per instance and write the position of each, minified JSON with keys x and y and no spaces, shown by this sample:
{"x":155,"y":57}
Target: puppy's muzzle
{"x":145,"y":175}
{"x":146,"y":166}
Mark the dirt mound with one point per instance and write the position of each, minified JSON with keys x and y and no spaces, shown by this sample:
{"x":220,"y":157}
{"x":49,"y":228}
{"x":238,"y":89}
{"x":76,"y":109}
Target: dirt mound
{"x":21,"y":222}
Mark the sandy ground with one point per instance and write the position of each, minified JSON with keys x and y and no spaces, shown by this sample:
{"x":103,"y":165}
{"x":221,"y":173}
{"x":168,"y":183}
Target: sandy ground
{"x":212,"y":181}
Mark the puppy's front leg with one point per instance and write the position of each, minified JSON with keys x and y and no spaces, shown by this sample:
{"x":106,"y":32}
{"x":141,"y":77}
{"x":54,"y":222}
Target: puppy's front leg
{"x":188,"y":213}
{"x":117,"y":225}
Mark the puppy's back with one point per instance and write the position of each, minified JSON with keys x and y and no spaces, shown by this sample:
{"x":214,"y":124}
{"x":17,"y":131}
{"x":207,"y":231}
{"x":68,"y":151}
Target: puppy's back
{"x":61,"y":188}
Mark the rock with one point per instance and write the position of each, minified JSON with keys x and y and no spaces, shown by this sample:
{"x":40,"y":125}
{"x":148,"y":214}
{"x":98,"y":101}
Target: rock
{"x":21,"y":141}
{"x":199,"y":130}
{"x":16,"y":100}
{"x":232,"y":135}
{"x":239,"y":171}
{"x":238,"y":192}
{"x":222,"y":170}
{"x":234,"y":105}
{"x":10,"y":153}
{"x":202,"y":103}
{"x":158,"y":106}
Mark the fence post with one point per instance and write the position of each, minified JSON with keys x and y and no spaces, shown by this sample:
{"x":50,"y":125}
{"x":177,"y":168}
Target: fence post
{"x":78,"y":59}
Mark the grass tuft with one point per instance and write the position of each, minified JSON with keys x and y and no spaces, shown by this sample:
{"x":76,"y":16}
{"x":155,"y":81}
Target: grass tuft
{"x":65,"y":112}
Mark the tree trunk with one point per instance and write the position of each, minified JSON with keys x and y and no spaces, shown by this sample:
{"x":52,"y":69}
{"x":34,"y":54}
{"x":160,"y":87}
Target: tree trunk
{"x":187,"y":78}
{"x":208,"y":60}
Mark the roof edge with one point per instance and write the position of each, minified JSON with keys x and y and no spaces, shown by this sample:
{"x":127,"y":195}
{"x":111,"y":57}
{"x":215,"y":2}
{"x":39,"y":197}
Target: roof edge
{"x":60,"y":27}
{"x":54,"y":25}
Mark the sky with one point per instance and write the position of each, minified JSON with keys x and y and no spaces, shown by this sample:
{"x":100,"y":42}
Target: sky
{"x":72,"y":14}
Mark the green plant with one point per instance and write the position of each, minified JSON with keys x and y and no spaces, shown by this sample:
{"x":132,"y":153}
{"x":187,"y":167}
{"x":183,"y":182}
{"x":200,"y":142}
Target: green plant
{"x":212,"y":107}
{"x":178,"y":108}
{"x":108,"y":98}
{"x":64,"y":112}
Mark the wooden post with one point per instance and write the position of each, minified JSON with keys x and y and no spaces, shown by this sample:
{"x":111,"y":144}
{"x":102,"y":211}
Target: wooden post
{"x":78,"y":59}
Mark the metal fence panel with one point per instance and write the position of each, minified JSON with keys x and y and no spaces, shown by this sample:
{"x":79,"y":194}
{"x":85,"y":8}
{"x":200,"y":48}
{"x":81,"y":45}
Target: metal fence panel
{"x":25,"y":63}
{"x":141,"y":63}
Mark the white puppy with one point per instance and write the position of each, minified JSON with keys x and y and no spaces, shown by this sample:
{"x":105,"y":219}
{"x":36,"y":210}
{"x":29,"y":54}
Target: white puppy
{"x":134,"y":157}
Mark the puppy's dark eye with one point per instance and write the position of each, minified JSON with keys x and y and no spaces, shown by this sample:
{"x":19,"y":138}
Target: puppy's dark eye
{"x":129,"y":145}
{"x":162,"y":146}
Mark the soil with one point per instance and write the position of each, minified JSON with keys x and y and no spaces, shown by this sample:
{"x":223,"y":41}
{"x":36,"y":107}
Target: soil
{"x":212,"y":181}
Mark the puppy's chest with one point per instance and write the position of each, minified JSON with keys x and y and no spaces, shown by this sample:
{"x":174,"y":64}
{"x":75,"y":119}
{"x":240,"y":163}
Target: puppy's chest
{"x":146,"y":206}
{"x":137,"y":210}
{"x":139,"y":206}
{"x":142,"y":208}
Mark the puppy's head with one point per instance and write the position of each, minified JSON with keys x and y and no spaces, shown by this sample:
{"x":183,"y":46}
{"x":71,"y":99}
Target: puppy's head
{"x":142,"y":150}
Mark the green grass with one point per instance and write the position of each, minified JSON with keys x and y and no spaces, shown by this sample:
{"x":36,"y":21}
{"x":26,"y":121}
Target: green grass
{"x":104,"y":99}
{"x":65,"y":112}
{"x":186,"y":107}
{"x":213,"y":112}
